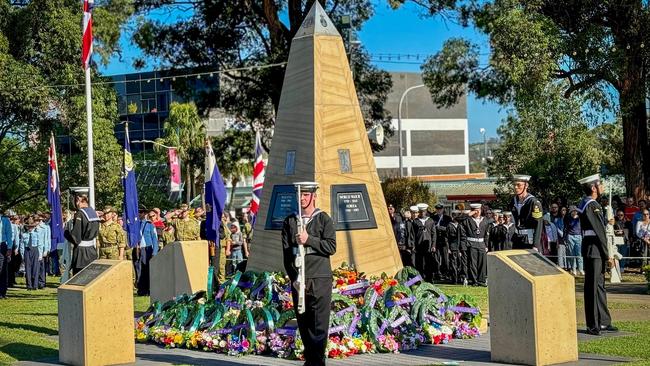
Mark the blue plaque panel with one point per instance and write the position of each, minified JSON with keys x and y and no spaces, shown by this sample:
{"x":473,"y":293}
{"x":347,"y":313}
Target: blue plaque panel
{"x":283,"y":203}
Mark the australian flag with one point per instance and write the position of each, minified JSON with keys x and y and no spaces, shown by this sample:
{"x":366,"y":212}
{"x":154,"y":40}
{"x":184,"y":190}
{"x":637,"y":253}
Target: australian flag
{"x":54,"y":196}
{"x":258,"y":177}
{"x":215,"y":194}
{"x":131,"y":218}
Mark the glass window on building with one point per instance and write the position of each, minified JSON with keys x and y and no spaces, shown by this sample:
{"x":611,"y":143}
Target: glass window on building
{"x":163,"y":85}
{"x":119,"y":85}
{"x":148,"y":102}
{"x":135,"y":122}
{"x":121,"y":104}
{"x":437,"y":143}
{"x":133,"y":104}
{"x":151,"y":121}
{"x":151,"y":134}
{"x":133,"y":84}
{"x":163,"y":102}
{"x":147,"y":84}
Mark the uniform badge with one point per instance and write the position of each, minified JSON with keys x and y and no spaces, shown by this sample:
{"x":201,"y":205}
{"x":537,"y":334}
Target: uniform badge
{"x":537,"y":213}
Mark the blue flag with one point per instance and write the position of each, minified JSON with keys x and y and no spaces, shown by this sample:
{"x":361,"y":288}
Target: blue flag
{"x":54,"y":197}
{"x":215,"y":195}
{"x":131,"y":218}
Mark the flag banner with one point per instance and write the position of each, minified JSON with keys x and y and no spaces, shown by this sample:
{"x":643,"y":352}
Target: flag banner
{"x":131,"y":218}
{"x":215,"y":194}
{"x":258,"y":177}
{"x":54,"y":196}
{"x":87,"y":35}
{"x":175,"y":170}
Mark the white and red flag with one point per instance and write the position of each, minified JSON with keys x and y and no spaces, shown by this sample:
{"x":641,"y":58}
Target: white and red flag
{"x":258,"y":177}
{"x":87,"y":39}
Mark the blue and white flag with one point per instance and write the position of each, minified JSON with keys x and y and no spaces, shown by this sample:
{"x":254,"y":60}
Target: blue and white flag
{"x":215,"y":194}
{"x":54,"y":196}
{"x":131,"y":218}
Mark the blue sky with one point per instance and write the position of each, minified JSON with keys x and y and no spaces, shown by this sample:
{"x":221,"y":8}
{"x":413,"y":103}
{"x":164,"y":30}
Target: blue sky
{"x":401,"y":31}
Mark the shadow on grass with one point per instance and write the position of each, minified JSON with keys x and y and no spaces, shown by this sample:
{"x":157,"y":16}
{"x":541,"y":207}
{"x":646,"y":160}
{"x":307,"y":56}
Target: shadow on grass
{"x":29,"y":327}
{"x":26,"y":352}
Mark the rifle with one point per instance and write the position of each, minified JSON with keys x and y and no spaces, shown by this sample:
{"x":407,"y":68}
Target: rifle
{"x":300,"y":262}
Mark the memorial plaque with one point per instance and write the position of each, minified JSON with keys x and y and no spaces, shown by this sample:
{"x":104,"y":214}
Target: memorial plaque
{"x":290,"y":163}
{"x":88,"y":274}
{"x":283,"y":203}
{"x":535,"y":264}
{"x":344,"y":161}
{"x":351,"y":209}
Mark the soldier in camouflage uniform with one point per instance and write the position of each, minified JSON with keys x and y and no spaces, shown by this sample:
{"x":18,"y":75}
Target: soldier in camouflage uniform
{"x":186,"y":228}
{"x":111,"y":238}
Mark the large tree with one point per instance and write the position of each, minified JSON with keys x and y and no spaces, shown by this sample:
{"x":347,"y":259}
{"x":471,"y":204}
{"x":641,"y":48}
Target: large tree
{"x":229,"y":34}
{"x":599,"y":47}
{"x":40,"y":70}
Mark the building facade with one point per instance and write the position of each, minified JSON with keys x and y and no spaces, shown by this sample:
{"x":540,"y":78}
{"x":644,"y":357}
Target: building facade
{"x":434,"y":140}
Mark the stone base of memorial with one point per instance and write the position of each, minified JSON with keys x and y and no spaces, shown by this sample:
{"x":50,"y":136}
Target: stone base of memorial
{"x":96,"y":315}
{"x":180,"y":268}
{"x":532,"y":309}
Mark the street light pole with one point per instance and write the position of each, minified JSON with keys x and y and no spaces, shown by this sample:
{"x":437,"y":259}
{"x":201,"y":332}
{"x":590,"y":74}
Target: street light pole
{"x":482,"y":130}
{"x":399,"y":126}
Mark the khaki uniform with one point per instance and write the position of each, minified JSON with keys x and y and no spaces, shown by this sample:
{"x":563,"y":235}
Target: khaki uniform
{"x":186,"y":230}
{"x":221,"y":272}
{"x":111,"y":238}
{"x":168,"y":237}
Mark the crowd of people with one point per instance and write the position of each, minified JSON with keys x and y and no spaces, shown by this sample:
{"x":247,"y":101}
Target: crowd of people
{"x":26,"y":247}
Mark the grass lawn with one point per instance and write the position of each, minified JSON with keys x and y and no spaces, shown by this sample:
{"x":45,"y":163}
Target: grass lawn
{"x":29,"y":325}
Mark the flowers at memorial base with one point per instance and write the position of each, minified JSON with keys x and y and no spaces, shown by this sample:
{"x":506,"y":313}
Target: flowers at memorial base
{"x":436,"y":334}
{"x":387,"y":344}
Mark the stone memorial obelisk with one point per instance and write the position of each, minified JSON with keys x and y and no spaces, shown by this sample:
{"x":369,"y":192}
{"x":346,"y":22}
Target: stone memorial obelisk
{"x":320,"y":136}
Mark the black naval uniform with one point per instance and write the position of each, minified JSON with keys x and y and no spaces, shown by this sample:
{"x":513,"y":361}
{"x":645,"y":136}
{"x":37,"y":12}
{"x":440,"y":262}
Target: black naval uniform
{"x":406,"y":247}
{"x":84,"y":231}
{"x":441,"y":256}
{"x":425,"y":244}
{"x":314,"y":322}
{"x":456,"y":259}
{"x":498,"y":237}
{"x":527,"y":218}
{"x":476,"y":236}
{"x":510,"y":231}
{"x":595,"y":256}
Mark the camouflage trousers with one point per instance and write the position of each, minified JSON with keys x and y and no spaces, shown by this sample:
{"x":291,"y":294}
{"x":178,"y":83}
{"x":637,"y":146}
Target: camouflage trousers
{"x":109,"y":253}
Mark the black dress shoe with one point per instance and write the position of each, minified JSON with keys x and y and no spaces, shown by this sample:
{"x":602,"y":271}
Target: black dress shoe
{"x":608,"y":328}
{"x":593,"y":331}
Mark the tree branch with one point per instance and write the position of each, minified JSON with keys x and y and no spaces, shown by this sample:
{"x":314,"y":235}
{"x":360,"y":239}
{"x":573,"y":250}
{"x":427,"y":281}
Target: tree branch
{"x":586,"y":83}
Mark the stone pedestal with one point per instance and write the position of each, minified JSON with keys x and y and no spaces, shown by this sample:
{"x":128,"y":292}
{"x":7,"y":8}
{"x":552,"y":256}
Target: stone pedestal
{"x":532,"y":309}
{"x":180,"y":268}
{"x":96,"y":315}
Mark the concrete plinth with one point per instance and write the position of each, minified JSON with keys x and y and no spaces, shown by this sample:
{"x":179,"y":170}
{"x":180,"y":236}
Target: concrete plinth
{"x":532,"y":309}
{"x":180,"y":268}
{"x":96,"y":315}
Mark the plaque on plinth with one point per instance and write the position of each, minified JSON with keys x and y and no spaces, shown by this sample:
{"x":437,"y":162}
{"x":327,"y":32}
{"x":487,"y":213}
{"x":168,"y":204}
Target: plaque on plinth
{"x":532,"y":309}
{"x":96,"y":315}
{"x":320,"y":136}
{"x":179,"y":268}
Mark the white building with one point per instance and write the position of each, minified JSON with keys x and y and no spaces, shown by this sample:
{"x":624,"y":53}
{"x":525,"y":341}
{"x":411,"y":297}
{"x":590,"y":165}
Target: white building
{"x":434,"y":140}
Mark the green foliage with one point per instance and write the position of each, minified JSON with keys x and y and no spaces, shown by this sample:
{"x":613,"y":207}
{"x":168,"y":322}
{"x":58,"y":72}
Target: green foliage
{"x":40,"y":45}
{"x":550,"y":141}
{"x":598,"y":49}
{"x":236,"y":34}
{"x":234,"y":150}
{"x":184,"y":130}
{"x":405,"y":192}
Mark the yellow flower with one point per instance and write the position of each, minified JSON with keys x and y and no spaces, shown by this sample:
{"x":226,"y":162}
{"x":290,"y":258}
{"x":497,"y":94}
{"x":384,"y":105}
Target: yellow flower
{"x":178,"y":338}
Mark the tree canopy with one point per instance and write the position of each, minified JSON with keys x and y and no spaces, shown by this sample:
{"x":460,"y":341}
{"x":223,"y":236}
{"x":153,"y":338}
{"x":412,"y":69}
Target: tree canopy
{"x":600,"y":48}
{"x":228,"y":35}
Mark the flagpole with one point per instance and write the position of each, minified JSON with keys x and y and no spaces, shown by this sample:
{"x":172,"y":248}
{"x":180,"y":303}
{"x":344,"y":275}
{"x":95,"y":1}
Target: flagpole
{"x":89,"y":137}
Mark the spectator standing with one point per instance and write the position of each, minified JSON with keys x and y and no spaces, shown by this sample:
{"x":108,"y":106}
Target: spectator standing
{"x":142,"y":254}
{"x":621,"y":230}
{"x":6,"y":249}
{"x":643,"y":234}
{"x":31,"y":250}
{"x":630,"y":209}
{"x":235,"y":247}
{"x":557,"y":218}
{"x":639,"y":214}
{"x":550,"y":238}
{"x":573,"y":236}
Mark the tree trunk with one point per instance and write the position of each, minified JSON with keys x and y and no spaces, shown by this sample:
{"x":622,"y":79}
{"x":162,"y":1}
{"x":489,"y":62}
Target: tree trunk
{"x":188,"y":184}
{"x":233,"y":182}
{"x":636,"y":158}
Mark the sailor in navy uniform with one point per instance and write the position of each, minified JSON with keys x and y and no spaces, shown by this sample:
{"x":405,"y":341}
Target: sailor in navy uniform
{"x":526,"y":215}
{"x":595,"y":255}
{"x":441,"y":256}
{"x":424,"y":230}
{"x":510,"y":229}
{"x":476,"y":236}
{"x":455,"y":254}
{"x":319,"y":239}
{"x":83,"y":234}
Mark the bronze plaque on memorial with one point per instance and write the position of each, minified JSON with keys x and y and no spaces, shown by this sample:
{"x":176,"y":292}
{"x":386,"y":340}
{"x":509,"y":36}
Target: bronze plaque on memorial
{"x":535,"y":264}
{"x":92,"y":271}
{"x":283,"y":203}
{"x":351,"y":208}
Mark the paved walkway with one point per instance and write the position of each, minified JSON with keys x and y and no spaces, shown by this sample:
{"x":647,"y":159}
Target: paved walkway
{"x":466,"y":352}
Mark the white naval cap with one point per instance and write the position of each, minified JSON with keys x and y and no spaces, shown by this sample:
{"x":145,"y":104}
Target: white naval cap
{"x":422,"y":206}
{"x":414,"y":208}
{"x":497,"y":211}
{"x":520,"y":178}
{"x":590,"y":179}
{"x":306,"y":186}
{"x":466,"y":212}
{"x":456,"y":212}
{"x":507,"y":213}
{"x":475,"y":206}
